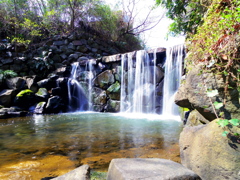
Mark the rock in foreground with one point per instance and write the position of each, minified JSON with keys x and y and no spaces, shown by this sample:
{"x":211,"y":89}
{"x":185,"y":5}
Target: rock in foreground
{"x":81,"y":173}
{"x":212,"y":156}
{"x":148,"y":169}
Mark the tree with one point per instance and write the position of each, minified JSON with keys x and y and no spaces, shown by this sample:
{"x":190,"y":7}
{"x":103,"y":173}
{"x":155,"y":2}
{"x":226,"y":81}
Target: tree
{"x":187,"y":15}
{"x":27,"y":21}
{"x":140,"y":17}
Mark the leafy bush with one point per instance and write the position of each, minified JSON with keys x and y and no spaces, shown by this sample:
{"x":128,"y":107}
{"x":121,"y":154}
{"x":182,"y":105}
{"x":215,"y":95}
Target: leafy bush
{"x":7,"y":74}
{"x":216,"y":43}
{"x":186,"y":15}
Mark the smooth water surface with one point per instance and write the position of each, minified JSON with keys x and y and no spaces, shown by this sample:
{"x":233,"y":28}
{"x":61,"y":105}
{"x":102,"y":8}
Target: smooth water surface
{"x":92,"y":138}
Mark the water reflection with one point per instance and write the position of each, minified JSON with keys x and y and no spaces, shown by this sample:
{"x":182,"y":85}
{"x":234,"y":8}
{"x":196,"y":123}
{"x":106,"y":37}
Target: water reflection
{"x":80,"y":136}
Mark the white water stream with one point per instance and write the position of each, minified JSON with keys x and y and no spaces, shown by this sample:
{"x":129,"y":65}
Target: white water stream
{"x":76,"y":96}
{"x":138,"y":83}
{"x":172,"y":78}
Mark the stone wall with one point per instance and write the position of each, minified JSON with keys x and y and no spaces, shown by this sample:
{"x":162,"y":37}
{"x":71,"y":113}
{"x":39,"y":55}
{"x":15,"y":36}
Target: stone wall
{"x":53,"y":53}
{"x":44,"y":73}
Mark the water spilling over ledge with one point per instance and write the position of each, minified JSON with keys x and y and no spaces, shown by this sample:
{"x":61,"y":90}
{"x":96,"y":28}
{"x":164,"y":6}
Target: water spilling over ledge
{"x":134,"y":82}
{"x":172,"y":78}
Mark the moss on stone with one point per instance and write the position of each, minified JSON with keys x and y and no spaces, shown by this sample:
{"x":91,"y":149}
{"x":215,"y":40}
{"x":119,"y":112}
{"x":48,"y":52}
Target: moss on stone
{"x":41,"y":92}
{"x":24,"y":93}
{"x":114,"y":87}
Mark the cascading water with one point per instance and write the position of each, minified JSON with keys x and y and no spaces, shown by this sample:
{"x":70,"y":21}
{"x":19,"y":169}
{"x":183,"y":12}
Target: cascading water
{"x":172,"y":77}
{"x":89,"y":78}
{"x":138,"y":83}
{"x":77,"y":98}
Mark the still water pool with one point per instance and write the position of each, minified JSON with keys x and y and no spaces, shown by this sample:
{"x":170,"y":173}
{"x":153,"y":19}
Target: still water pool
{"x":82,"y":138}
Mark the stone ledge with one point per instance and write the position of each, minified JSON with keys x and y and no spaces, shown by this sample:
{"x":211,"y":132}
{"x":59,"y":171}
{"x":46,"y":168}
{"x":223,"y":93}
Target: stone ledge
{"x":148,"y":169}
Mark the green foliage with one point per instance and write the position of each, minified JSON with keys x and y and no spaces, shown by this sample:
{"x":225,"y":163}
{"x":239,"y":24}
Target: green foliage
{"x":217,"y":37}
{"x":26,"y":21}
{"x":7,"y":74}
{"x":225,"y":123}
{"x":216,"y":46}
{"x":218,"y":105}
{"x":212,"y":93}
{"x":96,"y":175}
{"x":107,"y":22}
{"x":187,"y":15}
{"x":225,"y":133}
{"x":234,"y":122}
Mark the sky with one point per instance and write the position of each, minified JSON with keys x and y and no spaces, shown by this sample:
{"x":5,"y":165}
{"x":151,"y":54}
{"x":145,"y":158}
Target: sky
{"x":155,"y":37}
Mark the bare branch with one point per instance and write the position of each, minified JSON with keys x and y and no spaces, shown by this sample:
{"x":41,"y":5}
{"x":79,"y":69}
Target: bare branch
{"x":136,"y":25}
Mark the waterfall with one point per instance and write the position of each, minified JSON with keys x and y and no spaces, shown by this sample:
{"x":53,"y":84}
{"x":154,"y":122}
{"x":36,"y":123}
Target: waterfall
{"x":77,"y":98}
{"x":89,"y":79}
{"x":138,"y":83}
{"x":123,"y":102}
{"x":172,"y":77}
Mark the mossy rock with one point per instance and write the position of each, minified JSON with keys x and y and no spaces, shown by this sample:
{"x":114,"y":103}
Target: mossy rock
{"x":26,"y":92}
{"x":112,"y":106}
{"x":39,"y":109}
{"x":25,"y":98}
{"x":42,"y":93}
{"x":114,"y":91}
{"x":114,"y":88}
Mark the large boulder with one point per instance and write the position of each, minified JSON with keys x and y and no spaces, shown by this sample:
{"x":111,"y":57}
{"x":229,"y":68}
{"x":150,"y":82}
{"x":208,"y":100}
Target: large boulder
{"x":99,"y":96}
{"x":114,"y":91}
{"x":204,"y":150}
{"x":49,"y":83}
{"x":15,"y":83}
{"x":112,"y":106}
{"x":31,"y":82}
{"x":104,"y":80}
{"x":192,"y":94}
{"x":7,"y":96}
{"x":54,"y":105}
{"x":39,"y":109}
{"x":149,"y":168}
{"x":25,"y":99}
{"x":42,"y":94}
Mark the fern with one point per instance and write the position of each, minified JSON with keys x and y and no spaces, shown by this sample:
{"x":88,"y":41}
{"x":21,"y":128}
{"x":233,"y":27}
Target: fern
{"x":8,"y":74}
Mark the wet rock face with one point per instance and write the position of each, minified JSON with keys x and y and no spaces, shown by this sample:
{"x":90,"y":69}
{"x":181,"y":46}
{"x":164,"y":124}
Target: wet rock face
{"x":42,"y":93}
{"x":104,"y":80}
{"x":54,"y":104}
{"x":209,"y":154}
{"x":112,"y":106}
{"x":39,"y":109}
{"x":7,"y":96}
{"x":192,"y":94}
{"x":15,"y":83}
{"x":114,"y":91}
